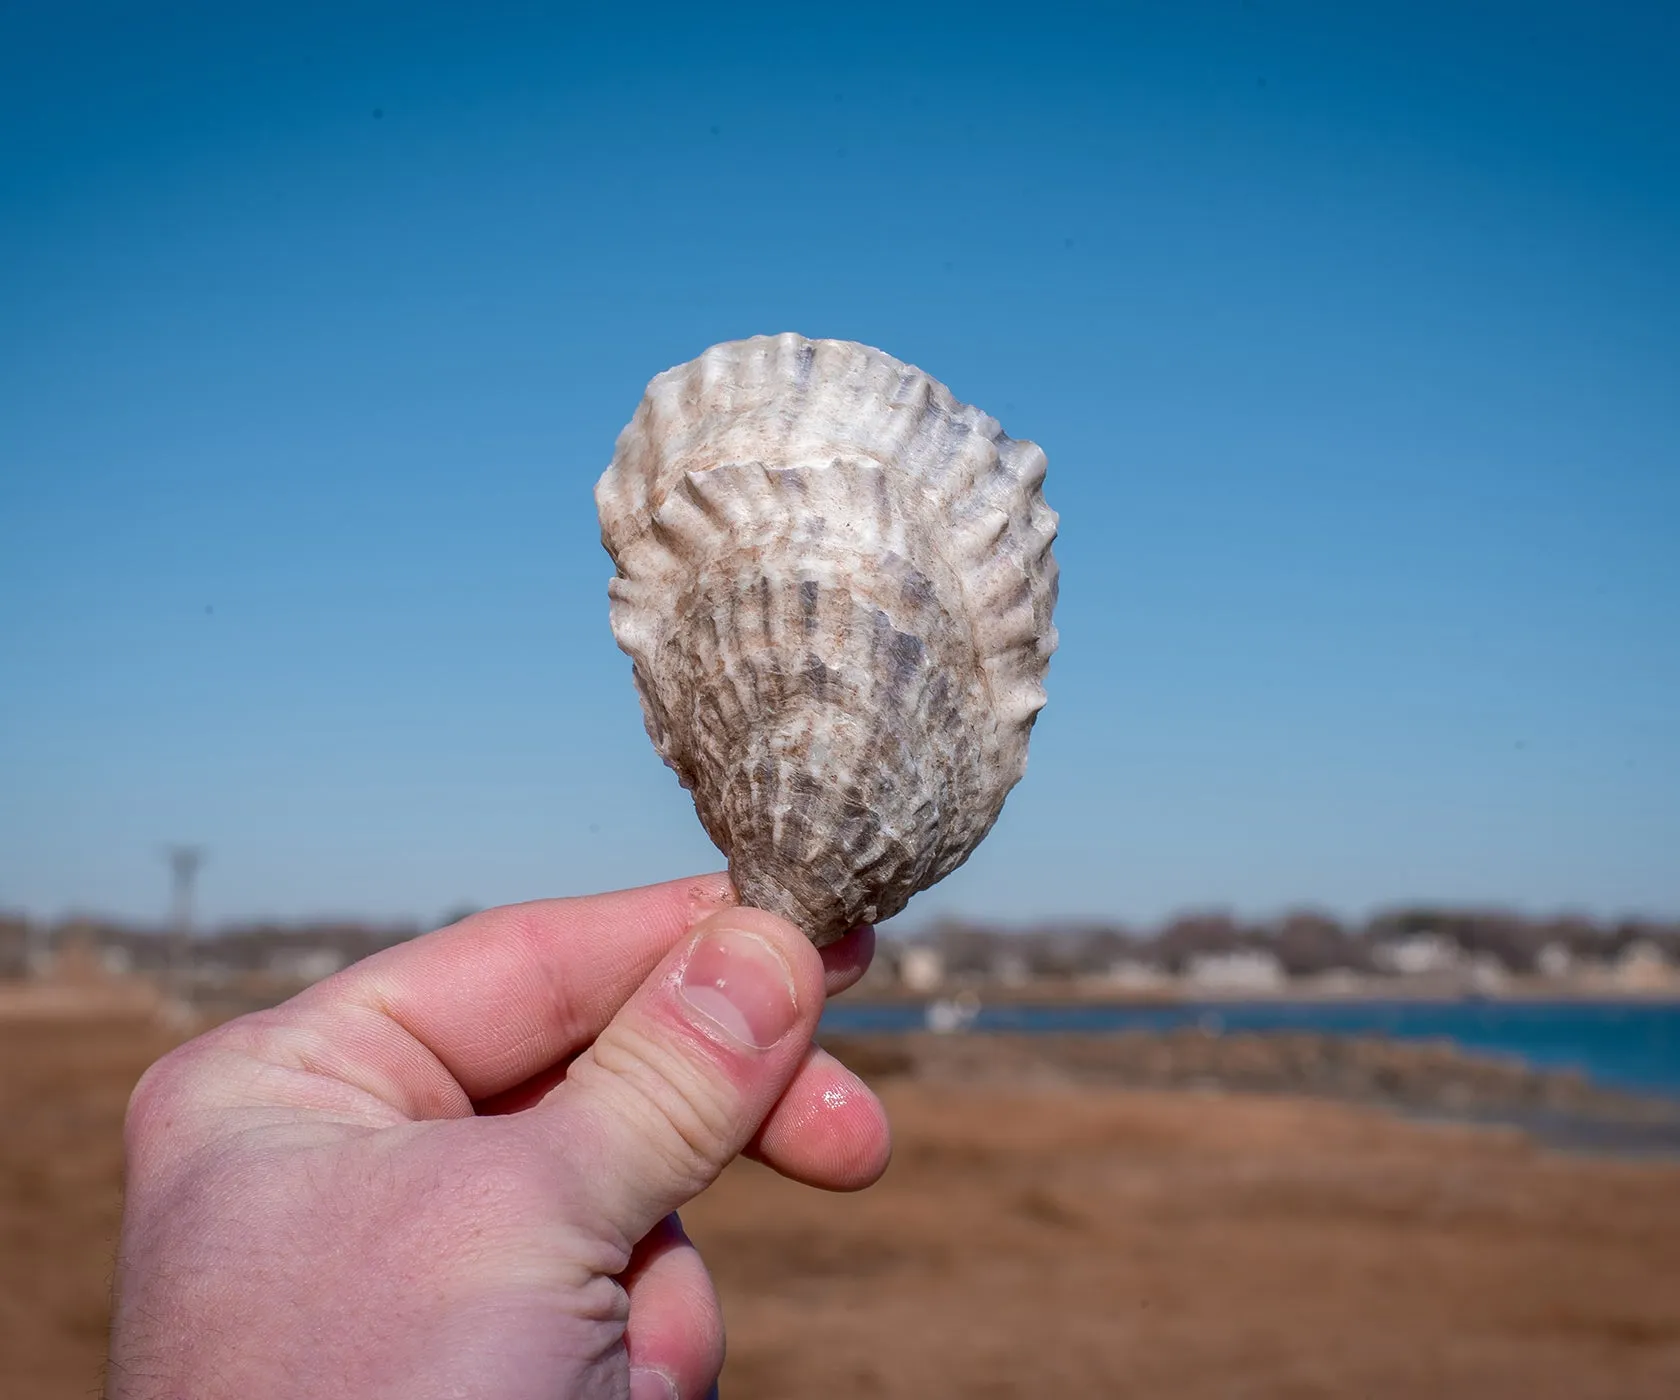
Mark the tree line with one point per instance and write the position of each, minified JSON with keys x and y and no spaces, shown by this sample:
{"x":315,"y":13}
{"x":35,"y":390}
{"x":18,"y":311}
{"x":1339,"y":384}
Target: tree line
{"x":1305,"y":942}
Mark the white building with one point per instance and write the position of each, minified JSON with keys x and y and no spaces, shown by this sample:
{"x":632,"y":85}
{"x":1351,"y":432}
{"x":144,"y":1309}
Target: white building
{"x":1419,"y":954}
{"x":1487,"y":973}
{"x":921,"y":969}
{"x":1246,"y":970}
{"x":1133,"y":975}
{"x":1010,"y":970}
{"x":1643,"y":966}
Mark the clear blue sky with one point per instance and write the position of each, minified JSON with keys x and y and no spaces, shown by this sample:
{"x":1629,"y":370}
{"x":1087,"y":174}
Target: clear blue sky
{"x":1352,"y":333}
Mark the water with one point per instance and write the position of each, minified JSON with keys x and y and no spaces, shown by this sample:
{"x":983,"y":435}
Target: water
{"x":1633,"y":1046}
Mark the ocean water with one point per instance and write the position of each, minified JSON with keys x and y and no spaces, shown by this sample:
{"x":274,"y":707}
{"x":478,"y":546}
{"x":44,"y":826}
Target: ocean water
{"x":1622,"y":1045}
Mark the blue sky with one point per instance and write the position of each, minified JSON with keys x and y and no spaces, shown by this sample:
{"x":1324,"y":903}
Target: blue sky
{"x":1352,"y":334}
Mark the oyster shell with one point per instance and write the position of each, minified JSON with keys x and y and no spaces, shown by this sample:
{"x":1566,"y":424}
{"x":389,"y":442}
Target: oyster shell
{"x":836,"y":585}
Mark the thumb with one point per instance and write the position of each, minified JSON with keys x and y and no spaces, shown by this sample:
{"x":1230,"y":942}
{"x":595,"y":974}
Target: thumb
{"x":684,"y":1074}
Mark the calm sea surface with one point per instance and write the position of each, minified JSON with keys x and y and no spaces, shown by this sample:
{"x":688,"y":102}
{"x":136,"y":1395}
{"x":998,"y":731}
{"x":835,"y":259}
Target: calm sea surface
{"x":1622,"y":1045}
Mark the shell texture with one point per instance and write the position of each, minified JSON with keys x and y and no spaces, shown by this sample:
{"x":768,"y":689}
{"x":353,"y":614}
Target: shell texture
{"x":835,"y":583}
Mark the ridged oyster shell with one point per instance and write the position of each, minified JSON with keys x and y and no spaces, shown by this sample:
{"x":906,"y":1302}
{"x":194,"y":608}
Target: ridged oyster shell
{"x":836,"y":585}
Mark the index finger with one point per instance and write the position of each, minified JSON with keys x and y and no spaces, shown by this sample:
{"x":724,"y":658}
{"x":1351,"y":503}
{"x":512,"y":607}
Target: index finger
{"x":479,"y":1007}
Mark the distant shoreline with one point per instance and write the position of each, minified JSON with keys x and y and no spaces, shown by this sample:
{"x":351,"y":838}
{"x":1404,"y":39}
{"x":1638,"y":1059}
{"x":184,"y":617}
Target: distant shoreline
{"x":1074,"y":994}
{"x":1426,"y":1081}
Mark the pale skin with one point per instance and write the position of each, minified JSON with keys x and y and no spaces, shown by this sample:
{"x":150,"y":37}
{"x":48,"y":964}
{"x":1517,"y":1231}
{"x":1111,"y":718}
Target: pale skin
{"x":452,"y":1169}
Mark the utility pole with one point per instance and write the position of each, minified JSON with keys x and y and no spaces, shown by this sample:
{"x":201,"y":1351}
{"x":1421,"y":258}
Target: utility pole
{"x":184,"y":862}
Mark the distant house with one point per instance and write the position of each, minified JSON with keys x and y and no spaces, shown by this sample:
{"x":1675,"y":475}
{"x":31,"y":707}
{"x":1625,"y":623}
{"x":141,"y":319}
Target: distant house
{"x":1134,"y":975}
{"x":1554,"y":961}
{"x":921,"y":969}
{"x":1010,"y":969}
{"x":1418,"y":955}
{"x":1487,"y":973}
{"x":1643,"y":966}
{"x":1243,"y":970}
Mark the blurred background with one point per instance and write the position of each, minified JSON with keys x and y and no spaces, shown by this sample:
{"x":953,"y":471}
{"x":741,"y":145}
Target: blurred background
{"x":1324,"y":967}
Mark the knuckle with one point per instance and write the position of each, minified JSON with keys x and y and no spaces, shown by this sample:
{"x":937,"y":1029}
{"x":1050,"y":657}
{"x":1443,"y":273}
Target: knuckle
{"x":687,"y":1110}
{"x":176,"y":1083}
{"x":162,"y":1075}
{"x":561,"y":997}
{"x":159,"y":1091}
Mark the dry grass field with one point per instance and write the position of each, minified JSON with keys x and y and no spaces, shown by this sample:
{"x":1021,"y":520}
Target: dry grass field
{"x":1029,"y":1242}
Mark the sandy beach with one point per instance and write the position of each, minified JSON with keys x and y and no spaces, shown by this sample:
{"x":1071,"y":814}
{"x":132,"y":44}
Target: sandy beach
{"x":1037,"y":1234}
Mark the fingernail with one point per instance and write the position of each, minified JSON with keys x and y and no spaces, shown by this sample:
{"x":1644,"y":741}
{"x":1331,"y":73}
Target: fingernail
{"x":739,"y":984}
{"x":647,"y":1384}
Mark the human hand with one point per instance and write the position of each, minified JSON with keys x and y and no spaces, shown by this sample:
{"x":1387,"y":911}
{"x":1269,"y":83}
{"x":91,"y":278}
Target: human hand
{"x":452,"y":1169}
